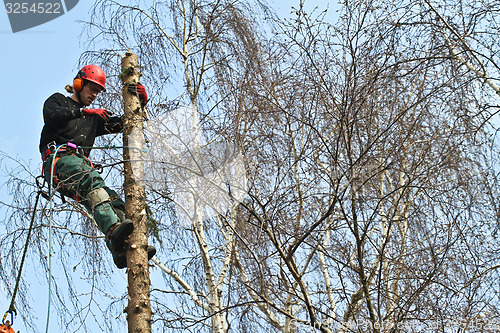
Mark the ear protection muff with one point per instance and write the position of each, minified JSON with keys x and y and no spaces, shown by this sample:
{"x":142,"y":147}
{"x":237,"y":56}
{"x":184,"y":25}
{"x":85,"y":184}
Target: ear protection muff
{"x":78,"y":81}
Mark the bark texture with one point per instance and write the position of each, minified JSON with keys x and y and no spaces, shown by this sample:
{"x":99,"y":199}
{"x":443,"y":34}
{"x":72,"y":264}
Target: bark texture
{"x":139,"y":307}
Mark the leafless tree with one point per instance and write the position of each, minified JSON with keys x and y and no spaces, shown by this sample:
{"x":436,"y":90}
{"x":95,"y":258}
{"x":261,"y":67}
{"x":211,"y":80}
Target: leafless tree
{"x":371,"y":171}
{"x":370,"y":152}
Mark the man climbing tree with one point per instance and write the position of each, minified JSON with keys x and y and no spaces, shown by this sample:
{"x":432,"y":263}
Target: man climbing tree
{"x":67,"y":138}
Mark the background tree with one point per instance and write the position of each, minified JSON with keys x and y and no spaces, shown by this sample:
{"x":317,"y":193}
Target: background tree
{"x":370,"y":155}
{"x":380,"y":132}
{"x":202,"y":37}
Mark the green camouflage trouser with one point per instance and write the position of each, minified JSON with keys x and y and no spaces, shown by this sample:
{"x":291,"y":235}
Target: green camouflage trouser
{"x":75,"y":178}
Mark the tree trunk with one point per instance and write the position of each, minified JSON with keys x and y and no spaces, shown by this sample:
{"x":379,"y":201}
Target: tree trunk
{"x":139,"y":307}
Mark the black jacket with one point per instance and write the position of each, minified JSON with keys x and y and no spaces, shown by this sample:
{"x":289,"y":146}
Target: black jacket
{"x":64,"y":122}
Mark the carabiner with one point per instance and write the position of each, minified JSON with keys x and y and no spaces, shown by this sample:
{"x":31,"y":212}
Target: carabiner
{"x":11,"y":317}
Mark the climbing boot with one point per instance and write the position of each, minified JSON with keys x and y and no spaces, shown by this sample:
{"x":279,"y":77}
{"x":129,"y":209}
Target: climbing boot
{"x":116,"y":237}
{"x":120,"y":258}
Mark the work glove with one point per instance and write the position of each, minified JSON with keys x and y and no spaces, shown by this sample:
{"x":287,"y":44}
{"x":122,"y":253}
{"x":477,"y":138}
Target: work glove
{"x":139,"y":90}
{"x":104,"y":114}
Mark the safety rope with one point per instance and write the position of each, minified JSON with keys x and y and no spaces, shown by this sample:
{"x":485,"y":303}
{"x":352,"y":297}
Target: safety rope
{"x":143,"y":150}
{"x":51,"y":218}
{"x":12,"y":309}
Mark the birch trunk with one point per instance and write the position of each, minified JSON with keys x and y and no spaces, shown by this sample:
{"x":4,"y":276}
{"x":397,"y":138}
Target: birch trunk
{"x":139,"y":307}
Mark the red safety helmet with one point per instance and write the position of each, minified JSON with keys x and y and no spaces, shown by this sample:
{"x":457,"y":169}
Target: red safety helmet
{"x":92,"y":73}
